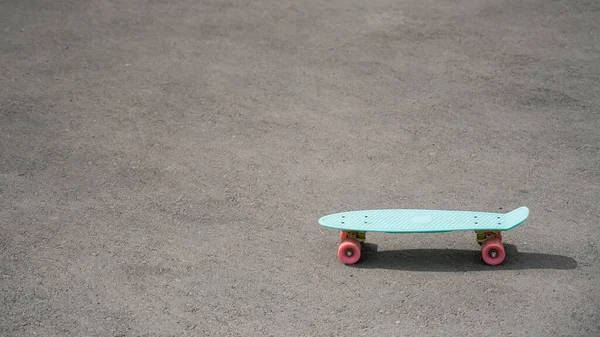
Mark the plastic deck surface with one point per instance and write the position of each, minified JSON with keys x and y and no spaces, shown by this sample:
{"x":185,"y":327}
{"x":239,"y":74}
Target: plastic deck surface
{"x":423,"y":221}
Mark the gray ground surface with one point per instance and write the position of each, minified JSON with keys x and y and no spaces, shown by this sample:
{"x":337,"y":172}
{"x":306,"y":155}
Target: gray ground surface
{"x":163,"y":165}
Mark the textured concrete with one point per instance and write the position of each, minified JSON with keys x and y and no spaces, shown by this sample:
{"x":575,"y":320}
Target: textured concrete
{"x":163,"y":165}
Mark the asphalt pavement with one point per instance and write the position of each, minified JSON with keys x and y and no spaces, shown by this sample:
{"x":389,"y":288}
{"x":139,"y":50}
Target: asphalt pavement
{"x":163,"y":166}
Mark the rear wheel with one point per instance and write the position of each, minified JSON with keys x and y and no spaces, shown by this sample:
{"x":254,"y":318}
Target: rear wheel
{"x":492,"y":252}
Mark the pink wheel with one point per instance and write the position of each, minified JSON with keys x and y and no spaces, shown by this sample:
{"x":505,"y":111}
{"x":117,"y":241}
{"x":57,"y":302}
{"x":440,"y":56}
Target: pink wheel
{"x":492,"y":252}
{"x":343,"y":236}
{"x":349,"y":251}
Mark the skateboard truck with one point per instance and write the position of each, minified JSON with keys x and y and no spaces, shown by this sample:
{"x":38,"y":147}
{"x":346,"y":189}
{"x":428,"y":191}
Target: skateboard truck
{"x":482,"y":236}
{"x":360,"y":236}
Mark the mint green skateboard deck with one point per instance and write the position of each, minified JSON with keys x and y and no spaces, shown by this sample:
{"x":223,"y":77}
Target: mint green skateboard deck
{"x":488,"y":227}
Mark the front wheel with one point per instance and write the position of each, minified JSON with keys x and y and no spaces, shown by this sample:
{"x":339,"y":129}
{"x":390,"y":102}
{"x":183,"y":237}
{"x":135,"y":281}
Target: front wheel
{"x":349,"y":251}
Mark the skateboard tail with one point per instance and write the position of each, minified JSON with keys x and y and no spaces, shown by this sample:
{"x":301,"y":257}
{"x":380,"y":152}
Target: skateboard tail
{"x":517,"y":216}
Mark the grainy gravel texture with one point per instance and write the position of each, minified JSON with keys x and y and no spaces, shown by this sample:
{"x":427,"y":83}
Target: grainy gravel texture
{"x":163,"y":165}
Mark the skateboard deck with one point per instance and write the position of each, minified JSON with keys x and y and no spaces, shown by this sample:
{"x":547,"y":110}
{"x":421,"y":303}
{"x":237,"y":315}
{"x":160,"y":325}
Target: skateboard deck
{"x":423,"y":221}
{"x":354,"y":224}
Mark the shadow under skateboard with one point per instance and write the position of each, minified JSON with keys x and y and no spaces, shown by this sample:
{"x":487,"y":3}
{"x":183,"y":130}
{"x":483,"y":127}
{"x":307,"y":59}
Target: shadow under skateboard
{"x":449,"y":260}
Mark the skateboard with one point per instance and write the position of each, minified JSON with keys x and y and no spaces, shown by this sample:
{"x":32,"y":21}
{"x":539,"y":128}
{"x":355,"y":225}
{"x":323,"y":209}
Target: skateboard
{"x":353,"y":226}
